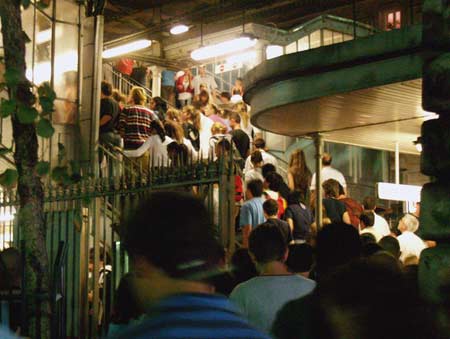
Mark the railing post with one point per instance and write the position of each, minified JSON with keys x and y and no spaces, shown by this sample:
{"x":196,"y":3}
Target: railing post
{"x":318,"y":142}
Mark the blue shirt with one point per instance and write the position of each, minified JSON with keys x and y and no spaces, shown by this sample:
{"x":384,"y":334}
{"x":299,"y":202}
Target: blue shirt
{"x":193,"y":316}
{"x":252,"y":213}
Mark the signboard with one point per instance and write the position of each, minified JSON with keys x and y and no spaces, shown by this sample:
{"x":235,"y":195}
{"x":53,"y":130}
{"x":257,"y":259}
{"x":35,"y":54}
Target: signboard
{"x":227,"y":66}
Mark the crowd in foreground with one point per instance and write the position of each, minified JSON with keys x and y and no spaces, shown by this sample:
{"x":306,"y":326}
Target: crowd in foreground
{"x":337,"y":286}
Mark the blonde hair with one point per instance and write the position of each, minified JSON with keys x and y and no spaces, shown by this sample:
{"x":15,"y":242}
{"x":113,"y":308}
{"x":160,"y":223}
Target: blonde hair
{"x":218,"y":128}
{"x":173,"y":115}
{"x":241,"y":108}
{"x":194,"y":116}
{"x":213,"y":108}
{"x":137,"y":95}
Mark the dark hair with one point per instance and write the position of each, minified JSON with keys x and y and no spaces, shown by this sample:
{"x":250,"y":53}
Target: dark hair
{"x":326,"y":159}
{"x":255,"y":187}
{"x":331,"y":188}
{"x":267,"y":168}
{"x":267,"y":243}
{"x":270,"y":206}
{"x":341,"y":189}
{"x":294,"y":198}
{"x":391,"y":245}
{"x":243,"y":266}
{"x":126,"y":305}
{"x":367,"y":238}
{"x":174,"y":130}
{"x":106,"y":88}
{"x":370,"y":249}
{"x":337,"y":244}
{"x":236,"y":117}
{"x":256,"y":157}
{"x":226,"y":95}
{"x":224,"y":145}
{"x":300,"y":258}
{"x":159,"y":128}
{"x":277,"y":184}
{"x":369,"y":203}
{"x":300,"y":171}
{"x":259,"y":143}
{"x":153,"y":232}
{"x":161,"y":107}
{"x":178,"y":153}
{"x":368,"y":218}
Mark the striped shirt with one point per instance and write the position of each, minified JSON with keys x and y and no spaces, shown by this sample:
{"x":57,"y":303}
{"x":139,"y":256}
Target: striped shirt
{"x":193,"y":316}
{"x":134,"y":125}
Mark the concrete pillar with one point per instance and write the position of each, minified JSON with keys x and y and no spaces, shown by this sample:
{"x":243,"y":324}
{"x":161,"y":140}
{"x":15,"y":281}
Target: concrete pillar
{"x":434,"y":267}
{"x":156,"y":80}
{"x":260,"y":49}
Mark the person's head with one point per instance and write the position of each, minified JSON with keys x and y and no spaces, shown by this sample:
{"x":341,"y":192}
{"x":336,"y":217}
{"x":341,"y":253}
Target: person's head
{"x":267,"y":244}
{"x":243,"y":267}
{"x":211,"y":109}
{"x":274,"y":181}
{"x":238,"y":82}
{"x":153,"y":231}
{"x":267,"y":168}
{"x":337,"y":244}
{"x":254,"y":189}
{"x":11,"y":263}
{"x":367,"y":238}
{"x":174,"y":131}
{"x":203,"y":98}
{"x":192,"y":115}
{"x":222,"y":148}
{"x":326,"y":159}
{"x":218,"y":128}
{"x":294,"y":197}
{"x":259,"y":143}
{"x":256,"y":159}
{"x":341,"y":190}
{"x":330,"y":188}
{"x":178,"y":153}
{"x":298,"y":159}
{"x":118,"y":96}
{"x":157,"y":127}
{"x":370,"y":249}
{"x":367,"y":219}
{"x":408,"y":223}
{"x":370,"y":203}
{"x":270,"y":207}
{"x":391,"y":245}
{"x":235,"y":120}
{"x":106,"y":89}
{"x":225,"y":97}
{"x":301,"y":258}
{"x":158,"y":104}
{"x":173,"y":114}
{"x":137,"y":96}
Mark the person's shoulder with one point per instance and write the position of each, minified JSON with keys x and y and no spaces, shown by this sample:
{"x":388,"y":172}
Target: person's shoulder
{"x":242,"y":288}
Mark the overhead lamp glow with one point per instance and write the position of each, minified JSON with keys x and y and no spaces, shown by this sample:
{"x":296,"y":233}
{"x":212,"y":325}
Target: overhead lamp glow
{"x":127,"y":48}
{"x":222,"y":48}
{"x":399,"y":192}
{"x":273,"y":51}
{"x":179,"y":29}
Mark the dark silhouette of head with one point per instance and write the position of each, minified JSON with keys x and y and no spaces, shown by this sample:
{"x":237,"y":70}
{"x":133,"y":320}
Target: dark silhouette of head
{"x":300,"y":258}
{"x":267,"y":243}
{"x":391,"y":245}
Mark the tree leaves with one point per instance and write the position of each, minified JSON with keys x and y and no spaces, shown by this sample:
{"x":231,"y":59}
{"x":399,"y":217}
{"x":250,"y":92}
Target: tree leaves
{"x":44,"y":128}
{"x":42,"y":168}
{"x":26,"y":114}
{"x":61,"y":152}
{"x":45,"y":90}
{"x":7,"y":107}
{"x":26,"y":3}
{"x":12,"y":77}
{"x":8,"y":178}
{"x":60,"y":174}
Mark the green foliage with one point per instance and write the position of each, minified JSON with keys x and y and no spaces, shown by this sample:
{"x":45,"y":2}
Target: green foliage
{"x":47,"y":97}
{"x":43,"y":168}
{"x":26,"y":3}
{"x":4,"y":150}
{"x":44,"y":128}
{"x":7,"y":107}
{"x":26,"y":114}
{"x":8,"y":178}
{"x":43,"y":4}
{"x":61,"y":153}
{"x":12,"y":77}
{"x":60,"y":174}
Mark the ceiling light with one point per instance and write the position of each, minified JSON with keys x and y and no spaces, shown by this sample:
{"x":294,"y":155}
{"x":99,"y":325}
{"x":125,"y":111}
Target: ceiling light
{"x":399,"y":192}
{"x":127,"y":48}
{"x":43,"y":36}
{"x":179,"y":29}
{"x":273,"y":51}
{"x":222,"y":48}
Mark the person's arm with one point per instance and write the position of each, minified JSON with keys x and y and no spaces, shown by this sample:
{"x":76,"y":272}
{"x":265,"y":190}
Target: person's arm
{"x":246,"y":230}
{"x":291,"y":224}
{"x":245,"y":221}
{"x":105,"y":119}
{"x":346,"y":218}
{"x":291,"y":184}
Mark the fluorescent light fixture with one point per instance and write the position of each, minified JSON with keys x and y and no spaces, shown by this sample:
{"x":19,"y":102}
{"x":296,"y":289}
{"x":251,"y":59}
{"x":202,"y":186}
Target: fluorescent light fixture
{"x":43,"y":36}
{"x":222,"y":48}
{"x":127,"y":48}
{"x":399,"y":192}
{"x":273,"y":51}
{"x":179,"y":29}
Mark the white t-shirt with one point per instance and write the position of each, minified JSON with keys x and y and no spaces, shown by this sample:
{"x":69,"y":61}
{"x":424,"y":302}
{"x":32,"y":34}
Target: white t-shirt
{"x":191,"y":150}
{"x":328,"y":172}
{"x":253,"y":174}
{"x":381,"y":226}
{"x":410,"y":245}
{"x":260,"y":298}
{"x":207,"y":80}
{"x":156,"y":148}
{"x":372,"y":231}
{"x":267,"y":159}
{"x":205,"y":134}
